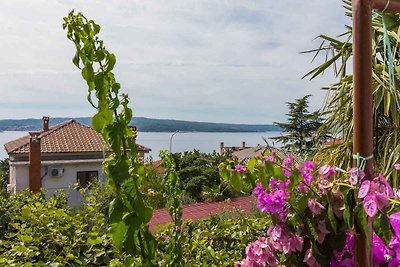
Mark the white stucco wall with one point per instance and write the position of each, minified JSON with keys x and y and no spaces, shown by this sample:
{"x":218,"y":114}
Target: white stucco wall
{"x":19,"y":177}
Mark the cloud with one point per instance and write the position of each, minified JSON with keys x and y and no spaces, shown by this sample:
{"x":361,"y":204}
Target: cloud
{"x":210,"y":60}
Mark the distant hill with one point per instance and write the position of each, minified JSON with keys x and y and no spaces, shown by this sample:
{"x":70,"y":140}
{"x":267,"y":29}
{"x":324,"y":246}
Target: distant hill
{"x":146,"y":125}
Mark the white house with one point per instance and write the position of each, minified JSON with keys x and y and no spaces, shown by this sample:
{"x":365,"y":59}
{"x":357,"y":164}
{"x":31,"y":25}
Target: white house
{"x":57,"y":157}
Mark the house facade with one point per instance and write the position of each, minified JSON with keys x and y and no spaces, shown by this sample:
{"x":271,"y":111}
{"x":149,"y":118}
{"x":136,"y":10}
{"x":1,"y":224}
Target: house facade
{"x":58,"y":157}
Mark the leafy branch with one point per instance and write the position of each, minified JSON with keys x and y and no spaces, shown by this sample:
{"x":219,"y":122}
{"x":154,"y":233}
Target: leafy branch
{"x":129,"y":215}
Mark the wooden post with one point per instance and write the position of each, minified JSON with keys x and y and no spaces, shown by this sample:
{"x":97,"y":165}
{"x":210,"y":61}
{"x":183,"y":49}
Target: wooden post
{"x":363,"y":111}
{"x":363,"y":102}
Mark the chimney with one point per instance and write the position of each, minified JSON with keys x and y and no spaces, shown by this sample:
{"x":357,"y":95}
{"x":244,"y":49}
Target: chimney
{"x":34,"y":162}
{"x":244,"y":144}
{"x":45,"y":123}
{"x":221,"y":147}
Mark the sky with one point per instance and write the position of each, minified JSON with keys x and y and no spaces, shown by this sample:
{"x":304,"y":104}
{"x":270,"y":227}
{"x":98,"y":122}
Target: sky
{"x":202,"y":60}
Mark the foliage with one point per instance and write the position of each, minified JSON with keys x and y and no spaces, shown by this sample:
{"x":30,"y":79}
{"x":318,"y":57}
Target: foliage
{"x":39,"y":232}
{"x":338,"y":107}
{"x":315,"y":212}
{"x":129,"y":213}
{"x":171,"y":182}
{"x":152,"y":186}
{"x":5,"y":167}
{"x":199,"y":174}
{"x":299,"y":133}
{"x":217,"y":241}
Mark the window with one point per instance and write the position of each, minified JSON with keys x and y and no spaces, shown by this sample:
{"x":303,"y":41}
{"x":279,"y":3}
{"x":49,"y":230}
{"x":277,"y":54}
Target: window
{"x":84,"y":178}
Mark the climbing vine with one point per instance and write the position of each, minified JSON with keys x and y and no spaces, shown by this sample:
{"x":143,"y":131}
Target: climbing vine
{"x":171,"y":183}
{"x":129,"y":215}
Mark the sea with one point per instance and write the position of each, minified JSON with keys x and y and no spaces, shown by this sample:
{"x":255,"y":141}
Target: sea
{"x":178,"y":142}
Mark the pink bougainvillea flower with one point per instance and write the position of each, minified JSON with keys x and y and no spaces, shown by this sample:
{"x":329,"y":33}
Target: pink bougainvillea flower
{"x":310,"y":165}
{"x":370,"y":205}
{"x":364,"y":189}
{"x":397,"y":166}
{"x":240,"y":168}
{"x":322,"y":231}
{"x":259,"y":253}
{"x":380,"y":252}
{"x":270,"y":158}
{"x":395,"y":223}
{"x":324,"y":170}
{"x":315,"y":207}
{"x":375,"y":194}
{"x":310,"y":259}
{"x":383,"y":185}
{"x":355,"y":175}
{"x":286,"y":165}
{"x":327,"y":171}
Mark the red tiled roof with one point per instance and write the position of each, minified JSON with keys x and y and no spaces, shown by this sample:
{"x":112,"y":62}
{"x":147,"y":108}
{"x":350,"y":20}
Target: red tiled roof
{"x":157,"y":166}
{"x":66,"y":137}
{"x":204,"y":210}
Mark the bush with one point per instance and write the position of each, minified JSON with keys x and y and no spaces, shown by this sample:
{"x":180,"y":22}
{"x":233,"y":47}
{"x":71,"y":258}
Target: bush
{"x":218,"y":240}
{"x":200,"y":179}
{"x":39,"y":232}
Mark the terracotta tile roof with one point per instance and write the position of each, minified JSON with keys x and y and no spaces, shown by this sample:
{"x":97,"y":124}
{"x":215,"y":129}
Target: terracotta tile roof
{"x":204,"y":210}
{"x":157,"y":166}
{"x":66,"y":137}
{"x":249,"y":152}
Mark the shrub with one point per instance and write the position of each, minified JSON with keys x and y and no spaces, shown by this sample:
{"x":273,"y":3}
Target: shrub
{"x":35,"y":231}
{"x":200,"y":177}
{"x":216,"y":241}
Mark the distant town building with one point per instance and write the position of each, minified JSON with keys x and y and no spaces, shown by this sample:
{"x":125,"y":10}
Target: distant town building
{"x":230,"y":149}
{"x":58,"y":157}
{"x":248,"y":153}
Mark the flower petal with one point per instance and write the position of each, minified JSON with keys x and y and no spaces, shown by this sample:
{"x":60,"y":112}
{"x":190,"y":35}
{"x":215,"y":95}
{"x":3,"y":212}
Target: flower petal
{"x":364,"y":189}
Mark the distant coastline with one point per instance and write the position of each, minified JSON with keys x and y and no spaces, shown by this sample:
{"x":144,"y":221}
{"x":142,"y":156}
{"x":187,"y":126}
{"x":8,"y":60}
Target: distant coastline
{"x":147,"y":125}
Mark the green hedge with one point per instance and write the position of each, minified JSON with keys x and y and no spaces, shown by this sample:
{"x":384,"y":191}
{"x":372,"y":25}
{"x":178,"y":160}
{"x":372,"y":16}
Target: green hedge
{"x":39,"y":232}
{"x":217,"y":241}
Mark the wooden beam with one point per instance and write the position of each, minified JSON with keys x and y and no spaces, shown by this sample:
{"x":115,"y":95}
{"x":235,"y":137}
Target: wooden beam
{"x":387,"y":5}
{"x":363,"y":111}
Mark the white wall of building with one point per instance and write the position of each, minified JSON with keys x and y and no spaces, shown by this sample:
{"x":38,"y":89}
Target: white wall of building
{"x":19,"y":178}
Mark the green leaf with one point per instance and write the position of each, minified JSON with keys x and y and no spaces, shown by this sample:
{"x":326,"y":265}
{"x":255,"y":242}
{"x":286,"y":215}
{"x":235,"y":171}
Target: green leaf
{"x":116,"y":210}
{"x":236,"y":181}
{"x":348,"y":217}
{"x":262,"y":177}
{"x":223,"y":172}
{"x":118,"y":231}
{"x":211,"y":252}
{"x":331,"y":219}
{"x":101,"y":119}
{"x":75,"y":60}
{"x":110,"y":62}
{"x":94,"y":241}
{"x":88,"y":73}
{"x":295,"y":179}
{"x":251,"y":164}
{"x":25,"y":212}
{"x":361,"y":218}
{"x":278,"y":173}
{"x":382,"y":227}
{"x":311,"y":227}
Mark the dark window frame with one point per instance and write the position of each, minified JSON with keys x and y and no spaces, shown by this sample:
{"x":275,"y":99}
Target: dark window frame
{"x":84,"y":178}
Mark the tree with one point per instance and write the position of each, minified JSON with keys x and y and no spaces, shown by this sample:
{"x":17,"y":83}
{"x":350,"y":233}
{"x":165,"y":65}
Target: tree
{"x":199,"y":174}
{"x":299,"y":132}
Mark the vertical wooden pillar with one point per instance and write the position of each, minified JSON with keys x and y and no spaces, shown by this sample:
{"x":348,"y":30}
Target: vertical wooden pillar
{"x":363,"y":109}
